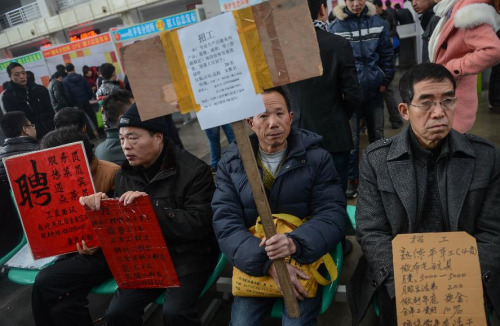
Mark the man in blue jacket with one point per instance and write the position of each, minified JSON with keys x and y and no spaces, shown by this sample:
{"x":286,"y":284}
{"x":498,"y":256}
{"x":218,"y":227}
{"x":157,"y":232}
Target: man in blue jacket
{"x":300,"y":179}
{"x":368,"y":33}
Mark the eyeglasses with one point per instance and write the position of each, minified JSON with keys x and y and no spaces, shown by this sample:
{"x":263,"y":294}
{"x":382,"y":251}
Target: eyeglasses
{"x":31,"y":125}
{"x":447,"y":104}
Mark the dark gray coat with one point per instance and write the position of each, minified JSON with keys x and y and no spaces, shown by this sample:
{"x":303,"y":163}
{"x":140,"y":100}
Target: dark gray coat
{"x":468,"y":173}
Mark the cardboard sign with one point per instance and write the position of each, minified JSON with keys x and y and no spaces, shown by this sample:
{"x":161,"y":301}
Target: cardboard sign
{"x":268,"y":33}
{"x":47,"y":185}
{"x":438,"y":279}
{"x":133,"y":244}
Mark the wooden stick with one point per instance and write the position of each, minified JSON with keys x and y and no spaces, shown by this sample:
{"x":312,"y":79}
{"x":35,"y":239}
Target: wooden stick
{"x":259,"y":195}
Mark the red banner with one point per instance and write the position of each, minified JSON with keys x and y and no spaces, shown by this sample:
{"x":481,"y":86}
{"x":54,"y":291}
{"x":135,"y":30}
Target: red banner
{"x":47,"y":186}
{"x":78,"y":45}
{"x":133,"y":244}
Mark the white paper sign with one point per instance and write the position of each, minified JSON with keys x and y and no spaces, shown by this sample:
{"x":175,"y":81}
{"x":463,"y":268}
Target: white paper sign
{"x":24,"y":259}
{"x":218,"y":72}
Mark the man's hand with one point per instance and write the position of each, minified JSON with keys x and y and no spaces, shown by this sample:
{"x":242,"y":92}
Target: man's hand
{"x":84,"y":250}
{"x":382,"y":88}
{"x":130,"y":196}
{"x":93,"y":202}
{"x":278,"y":246}
{"x":295,"y":273}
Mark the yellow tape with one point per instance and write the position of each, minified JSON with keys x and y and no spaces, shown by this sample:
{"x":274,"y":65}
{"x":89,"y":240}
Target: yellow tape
{"x":178,"y":72}
{"x":254,"y":54}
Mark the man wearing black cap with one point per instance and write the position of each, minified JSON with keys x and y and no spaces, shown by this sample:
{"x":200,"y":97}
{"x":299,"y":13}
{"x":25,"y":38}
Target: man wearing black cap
{"x":180,"y":187}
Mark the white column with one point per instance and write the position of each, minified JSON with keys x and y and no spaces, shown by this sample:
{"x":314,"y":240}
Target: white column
{"x":130,"y":17}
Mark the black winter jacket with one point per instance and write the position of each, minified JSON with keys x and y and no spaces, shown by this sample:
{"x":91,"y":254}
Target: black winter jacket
{"x":15,"y":146}
{"x":307,"y":185}
{"x":57,"y":95}
{"x":34,"y":101}
{"x":180,"y":194}
{"x":10,"y":225}
{"x":77,"y":89}
{"x":325,"y":104}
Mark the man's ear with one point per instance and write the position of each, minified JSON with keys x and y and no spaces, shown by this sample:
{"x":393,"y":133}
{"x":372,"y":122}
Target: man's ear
{"x":250,"y":122}
{"x":24,"y":131}
{"x":403,"y":111}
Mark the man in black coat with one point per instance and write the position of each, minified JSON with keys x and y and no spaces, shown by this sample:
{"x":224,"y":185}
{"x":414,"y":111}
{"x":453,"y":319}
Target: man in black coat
{"x":429,"y":178}
{"x":21,"y":138}
{"x":30,"y":98}
{"x":325,"y":104}
{"x":180,"y":187}
{"x":79,"y":93}
{"x":56,"y":92}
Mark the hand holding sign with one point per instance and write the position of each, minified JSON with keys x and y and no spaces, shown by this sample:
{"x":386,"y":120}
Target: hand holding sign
{"x":47,"y":185}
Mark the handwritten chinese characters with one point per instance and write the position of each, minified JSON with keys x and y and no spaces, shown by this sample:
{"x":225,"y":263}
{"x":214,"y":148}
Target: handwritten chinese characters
{"x":133,"y":244}
{"x":218,"y":72}
{"x":438,"y":280}
{"x":47,"y":186}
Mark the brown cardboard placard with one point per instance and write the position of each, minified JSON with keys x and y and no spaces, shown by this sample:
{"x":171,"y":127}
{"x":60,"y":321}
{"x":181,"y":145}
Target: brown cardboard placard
{"x":149,"y":78}
{"x":438,"y":279}
{"x":288,"y":39}
{"x":280,"y":23}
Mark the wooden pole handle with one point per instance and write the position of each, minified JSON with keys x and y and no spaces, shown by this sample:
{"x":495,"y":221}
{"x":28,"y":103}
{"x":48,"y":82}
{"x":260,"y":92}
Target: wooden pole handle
{"x":259,"y":195}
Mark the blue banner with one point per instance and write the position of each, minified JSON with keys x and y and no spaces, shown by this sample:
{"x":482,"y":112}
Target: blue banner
{"x":155,"y":26}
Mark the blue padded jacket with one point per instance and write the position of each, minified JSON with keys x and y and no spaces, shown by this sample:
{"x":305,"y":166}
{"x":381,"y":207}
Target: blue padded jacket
{"x":372,"y":48}
{"x":306,"y":185}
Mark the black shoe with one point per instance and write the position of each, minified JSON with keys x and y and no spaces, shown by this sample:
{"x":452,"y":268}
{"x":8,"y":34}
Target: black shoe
{"x":494,"y":109}
{"x":352,"y":189}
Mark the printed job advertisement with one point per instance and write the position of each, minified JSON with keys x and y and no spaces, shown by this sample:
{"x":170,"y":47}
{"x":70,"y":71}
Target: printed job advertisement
{"x":218,"y":72}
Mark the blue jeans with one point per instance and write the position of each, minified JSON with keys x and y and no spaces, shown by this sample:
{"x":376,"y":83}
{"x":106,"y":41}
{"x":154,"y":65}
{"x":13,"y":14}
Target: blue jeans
{"x":213,"y":135}
{"x":252,"y":311}
{"x":373,"y":111}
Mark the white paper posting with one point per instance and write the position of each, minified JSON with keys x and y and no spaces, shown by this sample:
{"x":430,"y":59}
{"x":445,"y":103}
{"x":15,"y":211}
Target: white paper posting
{"x":218,"y":72}
{"x":24,"y":259}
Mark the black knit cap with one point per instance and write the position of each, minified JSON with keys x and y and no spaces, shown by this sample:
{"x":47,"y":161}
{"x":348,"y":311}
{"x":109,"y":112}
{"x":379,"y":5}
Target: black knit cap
{"x":131,"y":118}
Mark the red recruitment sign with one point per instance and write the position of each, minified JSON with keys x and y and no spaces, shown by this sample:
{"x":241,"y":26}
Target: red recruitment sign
{"x":47,"y":185}
{"x":133,"y":244}
{"x":78,"y":45}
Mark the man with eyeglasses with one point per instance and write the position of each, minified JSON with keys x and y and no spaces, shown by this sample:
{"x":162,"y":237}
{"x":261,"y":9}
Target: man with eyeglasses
{"x":28,"y":97}
{"x":429,"y":178}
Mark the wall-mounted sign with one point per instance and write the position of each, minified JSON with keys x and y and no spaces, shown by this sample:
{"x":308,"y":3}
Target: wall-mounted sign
{"x":155,"y":26}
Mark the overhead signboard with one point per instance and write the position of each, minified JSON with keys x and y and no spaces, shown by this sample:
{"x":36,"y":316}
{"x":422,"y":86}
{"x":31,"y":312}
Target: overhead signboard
{"x":155,"y":26}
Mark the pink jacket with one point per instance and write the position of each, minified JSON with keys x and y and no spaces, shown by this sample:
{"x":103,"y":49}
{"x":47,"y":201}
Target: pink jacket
{"x":467,"y":46}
